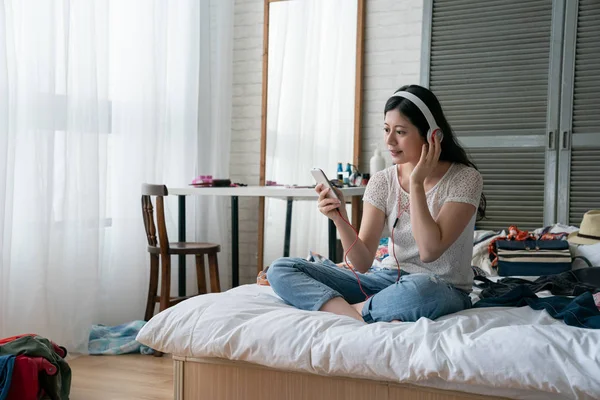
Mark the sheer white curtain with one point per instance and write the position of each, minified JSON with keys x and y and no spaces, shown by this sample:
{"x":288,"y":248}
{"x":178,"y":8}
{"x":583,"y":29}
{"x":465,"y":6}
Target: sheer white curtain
{"x":310,"y":110}
{"x":97,"y":97}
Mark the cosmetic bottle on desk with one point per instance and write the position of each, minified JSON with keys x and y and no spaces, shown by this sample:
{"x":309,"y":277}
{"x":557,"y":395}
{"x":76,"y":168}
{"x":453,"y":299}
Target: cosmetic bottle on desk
{"x":377,"y":162}
{"x":347,"y":173}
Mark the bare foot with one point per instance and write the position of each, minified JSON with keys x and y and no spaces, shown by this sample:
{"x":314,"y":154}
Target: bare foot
{"x":395,"y":320}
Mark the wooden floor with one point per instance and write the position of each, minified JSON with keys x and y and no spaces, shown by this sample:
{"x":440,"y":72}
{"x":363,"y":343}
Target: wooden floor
{"x":123,"y":377}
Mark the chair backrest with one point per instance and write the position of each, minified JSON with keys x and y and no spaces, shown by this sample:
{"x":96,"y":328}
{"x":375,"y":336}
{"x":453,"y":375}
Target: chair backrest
{"x":158,"y":191}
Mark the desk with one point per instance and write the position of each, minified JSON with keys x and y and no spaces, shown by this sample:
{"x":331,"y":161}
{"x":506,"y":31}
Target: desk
{"x":289,"y":194}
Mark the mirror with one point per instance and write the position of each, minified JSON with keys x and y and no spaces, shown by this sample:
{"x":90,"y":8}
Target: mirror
{"x":312,"y":70}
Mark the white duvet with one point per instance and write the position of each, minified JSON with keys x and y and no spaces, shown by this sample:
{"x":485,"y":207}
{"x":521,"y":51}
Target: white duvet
{"x":512,"y":352}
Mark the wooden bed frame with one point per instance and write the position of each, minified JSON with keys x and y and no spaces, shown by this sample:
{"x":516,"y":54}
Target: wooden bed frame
{"x":220,"y":379}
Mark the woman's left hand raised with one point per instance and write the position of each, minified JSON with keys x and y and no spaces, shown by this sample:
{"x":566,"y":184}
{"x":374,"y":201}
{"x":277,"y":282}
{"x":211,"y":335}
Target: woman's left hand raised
{"x":430,"y":154}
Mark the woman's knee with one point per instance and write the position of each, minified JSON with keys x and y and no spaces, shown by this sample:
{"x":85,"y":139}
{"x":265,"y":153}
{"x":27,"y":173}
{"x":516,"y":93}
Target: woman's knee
{"x":435,"y":297}
{"x":416,"y":296}
{"x":280,"y":269}
{"x":418,"y":288}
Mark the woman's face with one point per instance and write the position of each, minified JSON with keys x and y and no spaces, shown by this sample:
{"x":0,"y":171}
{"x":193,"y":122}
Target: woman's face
{"x":402,"y":138}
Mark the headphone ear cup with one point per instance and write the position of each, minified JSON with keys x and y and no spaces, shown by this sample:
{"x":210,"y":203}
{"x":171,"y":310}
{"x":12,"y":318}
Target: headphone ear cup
{"x":436,"y":133}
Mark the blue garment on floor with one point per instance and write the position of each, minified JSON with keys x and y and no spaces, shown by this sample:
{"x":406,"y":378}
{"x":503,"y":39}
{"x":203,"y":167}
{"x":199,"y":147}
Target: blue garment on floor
{"x":117,"y":339}
{"x":6,"y":370}
{"x":580,"y":311}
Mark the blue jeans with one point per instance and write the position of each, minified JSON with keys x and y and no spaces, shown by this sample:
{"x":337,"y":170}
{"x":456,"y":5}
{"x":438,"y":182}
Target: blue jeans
{"x":308,"y":285}
{"x":580,"y":311}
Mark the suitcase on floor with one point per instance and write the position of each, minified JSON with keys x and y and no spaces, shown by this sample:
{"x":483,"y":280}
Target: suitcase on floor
{"x":31,"y":375}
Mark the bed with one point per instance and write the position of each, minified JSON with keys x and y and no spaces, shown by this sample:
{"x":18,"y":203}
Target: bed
{"x":247,"y":343}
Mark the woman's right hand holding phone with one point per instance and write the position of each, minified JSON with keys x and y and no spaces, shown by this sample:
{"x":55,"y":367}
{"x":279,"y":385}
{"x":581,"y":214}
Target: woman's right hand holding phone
{"x":329,"y":205}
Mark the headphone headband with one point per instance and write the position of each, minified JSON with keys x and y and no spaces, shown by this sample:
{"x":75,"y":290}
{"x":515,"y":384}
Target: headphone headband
{"x":421,"y":106}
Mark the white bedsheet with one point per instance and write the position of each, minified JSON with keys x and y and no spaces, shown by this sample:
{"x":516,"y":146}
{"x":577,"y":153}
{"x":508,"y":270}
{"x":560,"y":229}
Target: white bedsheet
{"x":513,"y":352}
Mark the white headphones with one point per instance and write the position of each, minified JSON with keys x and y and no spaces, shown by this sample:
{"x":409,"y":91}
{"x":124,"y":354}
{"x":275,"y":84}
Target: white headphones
{"x":434,"y":129}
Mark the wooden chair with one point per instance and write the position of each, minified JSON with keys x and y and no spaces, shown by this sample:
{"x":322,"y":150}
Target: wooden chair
{"x":163,"y":250}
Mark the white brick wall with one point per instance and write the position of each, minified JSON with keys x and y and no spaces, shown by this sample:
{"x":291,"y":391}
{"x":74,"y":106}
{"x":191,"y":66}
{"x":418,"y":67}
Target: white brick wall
{"x":391,"y":59}
{"x":246,"y":119}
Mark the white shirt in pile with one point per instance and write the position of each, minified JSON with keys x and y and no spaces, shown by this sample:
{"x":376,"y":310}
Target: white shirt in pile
{"x":460,"y":184}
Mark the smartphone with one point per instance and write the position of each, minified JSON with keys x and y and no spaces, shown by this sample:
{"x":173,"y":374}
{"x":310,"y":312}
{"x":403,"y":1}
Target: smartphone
{"x":320,"y":177}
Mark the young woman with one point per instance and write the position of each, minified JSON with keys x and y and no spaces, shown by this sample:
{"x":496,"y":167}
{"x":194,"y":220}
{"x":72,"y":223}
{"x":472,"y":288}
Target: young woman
{"x":427,"y":202}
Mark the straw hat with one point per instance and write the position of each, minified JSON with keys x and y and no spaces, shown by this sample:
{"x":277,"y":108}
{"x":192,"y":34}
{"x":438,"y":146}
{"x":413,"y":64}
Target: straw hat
{"x":589,"y":231}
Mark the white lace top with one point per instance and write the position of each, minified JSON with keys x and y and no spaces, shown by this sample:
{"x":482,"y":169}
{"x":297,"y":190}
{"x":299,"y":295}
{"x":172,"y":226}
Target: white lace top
{"x":460,"y":184}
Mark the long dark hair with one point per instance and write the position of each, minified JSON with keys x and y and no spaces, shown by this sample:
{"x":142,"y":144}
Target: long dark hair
{"x":452,"y":151}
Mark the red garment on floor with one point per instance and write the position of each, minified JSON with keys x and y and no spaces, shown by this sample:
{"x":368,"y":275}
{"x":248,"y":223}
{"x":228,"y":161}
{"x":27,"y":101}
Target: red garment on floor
{"x":25,"y":383}
{"x":27,"y":372}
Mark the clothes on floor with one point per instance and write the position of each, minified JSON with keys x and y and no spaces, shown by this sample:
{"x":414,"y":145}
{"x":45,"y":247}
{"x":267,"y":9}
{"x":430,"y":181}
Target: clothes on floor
{"x":308,"y":285}
{"x":57,"y":386}
{"x":563,"y":284}
{"x":114,"y":340}
{"x":29,"y":374}
{"x":60,"y":350}
{"x":7,"y":363}
{"x":580,"y":311}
